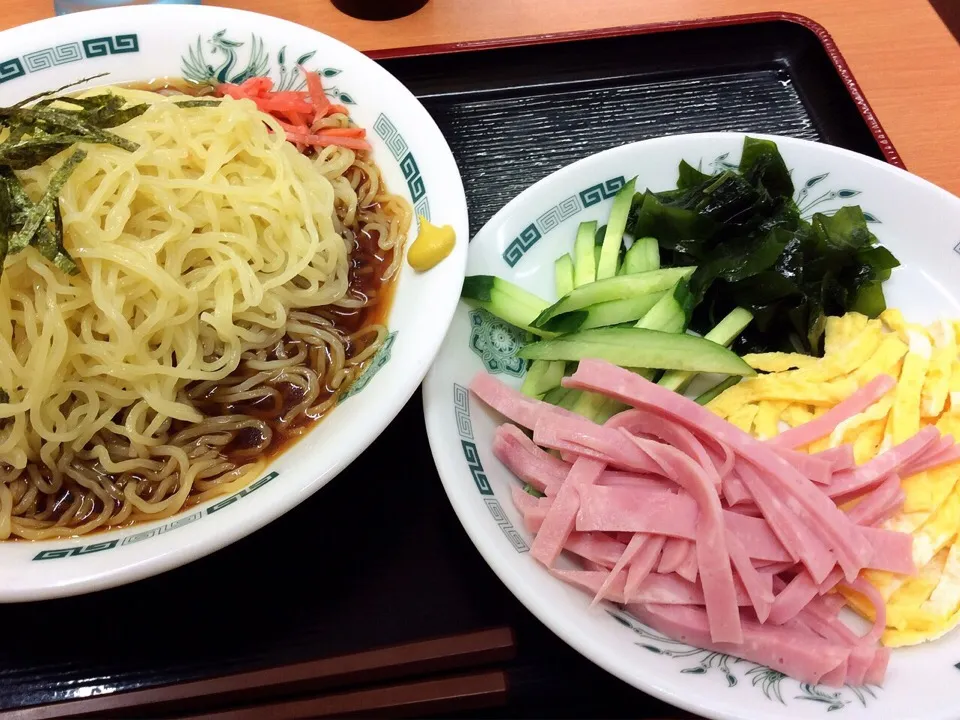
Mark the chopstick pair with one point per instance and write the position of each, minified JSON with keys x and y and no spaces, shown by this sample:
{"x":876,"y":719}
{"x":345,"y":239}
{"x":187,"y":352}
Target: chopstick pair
{"x":333,"y":687}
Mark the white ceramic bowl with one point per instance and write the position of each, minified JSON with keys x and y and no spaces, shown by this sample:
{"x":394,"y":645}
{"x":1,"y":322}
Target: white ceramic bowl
{"x":919,"y":222}
{"x":144,"y":42}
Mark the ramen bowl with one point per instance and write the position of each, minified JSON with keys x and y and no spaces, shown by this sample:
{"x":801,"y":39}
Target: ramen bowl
{"x":205,"y":44}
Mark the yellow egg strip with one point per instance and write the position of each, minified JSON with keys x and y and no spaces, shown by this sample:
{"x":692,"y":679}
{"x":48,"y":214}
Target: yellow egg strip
{"x":797,"y":414}
{"x":936,"y":385}
{"x":907,"y":600}
{"x":905,"y":413}
{"x":876,"y":412}
{"x":767,"y":422}
{"x":945,"y":599}
{"x":743,"y":418}
{"x":885,"y":361}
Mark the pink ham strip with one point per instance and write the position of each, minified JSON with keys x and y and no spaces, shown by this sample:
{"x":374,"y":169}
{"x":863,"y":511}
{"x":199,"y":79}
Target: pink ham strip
{"x":643,"y":422}
{"x":591,"y":566}
{"x":713,"y":561}
{"x":818,"y":470}
{"x":796,"y":490}
{"x":825,"y":424}
{"x":792,"y":531}
{"x":602,"y":443}
{"x":878,"y":504}
{"x":643,"y":564}
{"x":945,"y":456}
{"x":622,"y":478}
{"x":795,"y":652}
{"x":522,"y":500}
{"x":619,"y":509}
{"x":850,"y":483}
{"x":636,"y":544}
{"x":512,"y":404}
{"x":760,"y":595}
{"x":688,"y":569}
{"x":878,"y":668}
{"x":734,"y":491}
{"x":527,"y":461}
{"x":840,"y":458}
{"x":879,"y":608}
{"x":596,"y":547}
{"x":655,"y":588}
{"x":560,"y":518}
{"x":674,"y":552}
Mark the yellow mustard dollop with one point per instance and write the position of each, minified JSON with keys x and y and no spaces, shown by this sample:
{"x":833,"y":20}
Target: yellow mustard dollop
{"x":432,"y":245}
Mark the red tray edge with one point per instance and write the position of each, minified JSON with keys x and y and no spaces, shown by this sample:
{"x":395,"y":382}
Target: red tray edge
{"x":836,"y":57}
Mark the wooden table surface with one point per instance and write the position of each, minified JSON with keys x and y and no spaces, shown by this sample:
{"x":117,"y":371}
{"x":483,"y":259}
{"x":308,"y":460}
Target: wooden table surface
{"x":903,"y":56}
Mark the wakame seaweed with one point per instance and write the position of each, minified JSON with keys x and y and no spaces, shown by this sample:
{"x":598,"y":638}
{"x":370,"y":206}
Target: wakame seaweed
{"x":39,"y":128}
{"x":743,"y":231}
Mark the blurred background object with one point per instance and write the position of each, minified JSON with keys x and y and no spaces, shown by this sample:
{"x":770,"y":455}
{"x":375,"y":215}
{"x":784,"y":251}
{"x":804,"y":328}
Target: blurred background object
{"x":378,"y":9}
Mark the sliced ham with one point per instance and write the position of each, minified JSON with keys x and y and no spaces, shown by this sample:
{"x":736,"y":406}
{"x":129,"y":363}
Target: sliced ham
{"x":643,"y":563}
{"x":675,"y":551}
{"x":795,"y":652}
{"x":818,"y":470}
{"x":525,"y":459}
{"x":840,"y":458}
{"x":713,"y":561}
{"x":822,"y":426}
{"x":795,"y":489}
{"x":707,"y":534}
{"x":851,"y":483}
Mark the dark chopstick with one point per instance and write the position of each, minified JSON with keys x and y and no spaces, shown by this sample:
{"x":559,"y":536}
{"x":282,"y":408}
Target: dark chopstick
{"x":440,"y":655}
{"x":467,"y":692}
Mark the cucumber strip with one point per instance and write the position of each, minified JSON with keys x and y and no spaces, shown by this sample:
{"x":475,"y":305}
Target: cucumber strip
{"x":530,"y":381}
{"x":596,"y":407}
{"x":557,"y":395}
{"x":479,"y":287}
{"x":725,"y":332}
{"x":613,"y":238}
{"x":640,"y":348}
{"x":542,"y":376}
{"x":596,"y":254}
{"x":584,"y":263}
{"x":614,"y":312}
{"x":563,"y":274}
{"x":507,"y":301}
{"x":615,"y":288}
{"x":713,"y":392}
{"x":667,"y":316}
{"x":643,"y":256}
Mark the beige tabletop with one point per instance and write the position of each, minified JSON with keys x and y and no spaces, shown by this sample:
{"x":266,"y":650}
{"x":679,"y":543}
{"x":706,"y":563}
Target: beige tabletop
{"x":902,"y":55}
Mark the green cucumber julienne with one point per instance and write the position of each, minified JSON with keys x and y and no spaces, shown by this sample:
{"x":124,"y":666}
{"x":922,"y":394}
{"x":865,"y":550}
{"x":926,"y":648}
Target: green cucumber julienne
{"x":584,"y":261}
{"x":505,"y":300}
{"x":563,"y":274}
{"x":614,"y":312}
{"x":715,"y":391}
{"x":618,"y":287}
{"x":643,"y":256}
{"x":542,"y":376}
{"x":724,"y":333}
{"x":616,"y":225}
{"x":638,"y":347}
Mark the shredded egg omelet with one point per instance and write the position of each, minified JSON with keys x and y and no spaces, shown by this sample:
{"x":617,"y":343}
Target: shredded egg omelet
{"x":794,"y":389}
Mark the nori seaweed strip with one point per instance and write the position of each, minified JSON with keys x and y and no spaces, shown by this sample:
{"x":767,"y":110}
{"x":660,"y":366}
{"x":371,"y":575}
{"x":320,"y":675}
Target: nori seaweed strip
{"x":42,"y":209}
{"x":197,"y":103}
{"x":48,"y":93}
